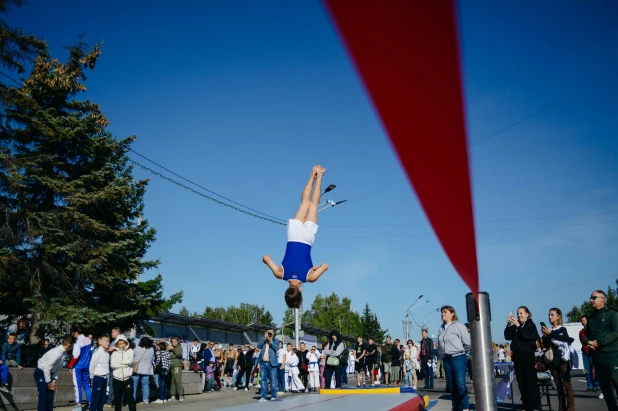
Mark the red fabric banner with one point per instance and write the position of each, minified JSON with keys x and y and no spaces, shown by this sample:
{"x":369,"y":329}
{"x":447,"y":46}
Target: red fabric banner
{"x":407,"y":54}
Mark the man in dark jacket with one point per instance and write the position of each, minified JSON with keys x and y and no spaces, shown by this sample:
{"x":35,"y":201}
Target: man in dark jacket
{"x":602,"y":341}
{"x":426,"y":359}
{"x":245,"y":365}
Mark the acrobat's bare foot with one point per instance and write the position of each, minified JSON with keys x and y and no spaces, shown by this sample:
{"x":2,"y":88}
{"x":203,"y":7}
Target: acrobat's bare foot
{"x":316,"y":169}
{"x":321,"y":170}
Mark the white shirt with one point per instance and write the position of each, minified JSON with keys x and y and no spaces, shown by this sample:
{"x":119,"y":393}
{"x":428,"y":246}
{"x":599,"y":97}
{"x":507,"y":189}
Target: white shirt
{"x":281,"y":354}
{"x":99,"y":363}
{"x":194,"y":349}
{"x":51,"y":362}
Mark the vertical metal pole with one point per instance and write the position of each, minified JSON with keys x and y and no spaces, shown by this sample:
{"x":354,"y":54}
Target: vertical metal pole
{"x":479,"y":317}
{"x":297,"y":327}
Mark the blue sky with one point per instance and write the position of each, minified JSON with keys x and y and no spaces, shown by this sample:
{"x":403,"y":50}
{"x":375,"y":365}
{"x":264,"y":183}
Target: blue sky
{"x":245,"y":97}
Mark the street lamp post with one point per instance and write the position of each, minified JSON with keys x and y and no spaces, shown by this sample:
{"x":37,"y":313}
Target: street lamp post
{"x":407,"y":322}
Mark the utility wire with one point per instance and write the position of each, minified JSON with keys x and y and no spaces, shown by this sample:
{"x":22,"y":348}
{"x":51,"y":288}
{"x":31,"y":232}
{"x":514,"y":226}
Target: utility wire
{"x":478,"y":231}
{"x":161,"y":176}
{"x":202,"y":187}
{"x":547,"y":107}
{"x":11,"y":78}
{"x":477,"y":222}
{"x":516,"y":123}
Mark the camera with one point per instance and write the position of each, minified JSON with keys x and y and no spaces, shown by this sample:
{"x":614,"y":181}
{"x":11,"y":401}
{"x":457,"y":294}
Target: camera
{"x":270,"y":335}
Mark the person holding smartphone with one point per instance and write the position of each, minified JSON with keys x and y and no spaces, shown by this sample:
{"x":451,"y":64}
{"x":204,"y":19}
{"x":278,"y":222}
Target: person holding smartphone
{"x":522,"y":333}
{"x":269,"y":365}
{"x":557,"y":339}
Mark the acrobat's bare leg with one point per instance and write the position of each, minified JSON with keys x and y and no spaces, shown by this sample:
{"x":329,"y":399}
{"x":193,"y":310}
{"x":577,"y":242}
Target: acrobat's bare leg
{"x":277,"y":271}
{"x":301,"y":214}
{"x":312,"y":213}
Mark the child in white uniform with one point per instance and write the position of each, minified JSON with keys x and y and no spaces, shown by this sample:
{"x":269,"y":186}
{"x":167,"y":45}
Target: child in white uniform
{"x":314,"y":369}
{"x":296,"y":384}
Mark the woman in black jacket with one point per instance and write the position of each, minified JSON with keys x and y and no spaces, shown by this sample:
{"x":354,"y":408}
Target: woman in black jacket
{"x":557,"y":339}
{"x":333,"y":349}
{"x":522,"y":333}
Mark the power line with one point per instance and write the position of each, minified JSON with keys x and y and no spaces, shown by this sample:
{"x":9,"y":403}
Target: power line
{"x":161,"y":176}
{"x":202,"y":187}
{"x":478,"y":231}
{"x":11,"y":78}
{"x":563,"y":285}
{"x":477,"y":222}
{"x":516,"y":123}
{"x":547,"y":107}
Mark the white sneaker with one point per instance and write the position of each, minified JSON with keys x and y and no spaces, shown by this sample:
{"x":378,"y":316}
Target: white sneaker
{"x":262,"y":399}
{"x":274,"y":399}
{"x":158,"y":402}
{"x":181,"y":399}
{"x":235,"y":388}
{"x":601,"y":397}
{"x":258,"y":386}
{"x":146,"y":402}
{"x":246,"y":389}
{"x":172,"y":399}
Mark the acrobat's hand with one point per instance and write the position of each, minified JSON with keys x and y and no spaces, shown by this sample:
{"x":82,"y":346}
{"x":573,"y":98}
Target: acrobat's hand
{"x":316,"y":272}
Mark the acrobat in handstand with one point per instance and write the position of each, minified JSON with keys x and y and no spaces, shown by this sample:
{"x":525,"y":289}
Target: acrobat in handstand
{"x":297,"y":267}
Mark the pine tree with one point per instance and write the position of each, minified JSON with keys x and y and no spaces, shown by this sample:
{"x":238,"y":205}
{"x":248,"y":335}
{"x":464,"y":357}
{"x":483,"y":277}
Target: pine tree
{"x":73,"y":246}
{"x":371,"y":326}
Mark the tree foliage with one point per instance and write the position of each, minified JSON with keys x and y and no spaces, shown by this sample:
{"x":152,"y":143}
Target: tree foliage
{"x":586,"y":308}
{"x":244,"y":314}
{"x":333,"y":313}
{"x":73,"y":249}
{"x":17,"y":49}
{"x":371,"y":326}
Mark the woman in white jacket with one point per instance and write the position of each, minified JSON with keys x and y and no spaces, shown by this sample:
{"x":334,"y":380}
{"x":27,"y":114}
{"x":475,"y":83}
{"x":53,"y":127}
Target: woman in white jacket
{"x":122,"y":369}
{"x":314,"y":369}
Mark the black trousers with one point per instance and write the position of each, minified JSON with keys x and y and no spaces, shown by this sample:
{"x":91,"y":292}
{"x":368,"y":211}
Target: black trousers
{"x":526,"y":380}
{"x":123,"y":391}
{"x":606,"y":368}
{"x":328,"y":375}
{"x":247,"y":372}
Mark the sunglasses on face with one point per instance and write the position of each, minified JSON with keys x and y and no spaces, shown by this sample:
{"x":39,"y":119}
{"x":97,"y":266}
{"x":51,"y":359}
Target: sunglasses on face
{"x":594,"y":297}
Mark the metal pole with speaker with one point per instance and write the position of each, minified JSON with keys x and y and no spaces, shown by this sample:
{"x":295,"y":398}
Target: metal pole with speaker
{"x":479,"y":317}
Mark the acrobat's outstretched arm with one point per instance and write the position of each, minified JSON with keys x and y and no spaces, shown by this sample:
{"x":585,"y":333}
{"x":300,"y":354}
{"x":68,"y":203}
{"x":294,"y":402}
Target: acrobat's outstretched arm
{"x":316,"y":272}
{"x":277,"y":271}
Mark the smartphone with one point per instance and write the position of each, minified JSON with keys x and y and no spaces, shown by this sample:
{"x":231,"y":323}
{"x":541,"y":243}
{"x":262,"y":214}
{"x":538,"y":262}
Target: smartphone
{"x":543,"y":324}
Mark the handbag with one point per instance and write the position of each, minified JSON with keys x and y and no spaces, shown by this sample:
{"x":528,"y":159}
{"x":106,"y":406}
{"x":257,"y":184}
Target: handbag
{"x":332,"y":361}
{"x":549,"y":355}
{"x":136,"y":363}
